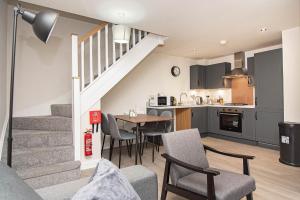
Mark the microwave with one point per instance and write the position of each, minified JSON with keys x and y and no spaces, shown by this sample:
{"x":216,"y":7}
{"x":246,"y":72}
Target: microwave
{"x":162,"y":101}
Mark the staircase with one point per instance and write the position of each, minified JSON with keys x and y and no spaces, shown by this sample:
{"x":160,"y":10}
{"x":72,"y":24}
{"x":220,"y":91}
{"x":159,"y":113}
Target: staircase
{"x":43,"y":151}
{"x":98,"y":64}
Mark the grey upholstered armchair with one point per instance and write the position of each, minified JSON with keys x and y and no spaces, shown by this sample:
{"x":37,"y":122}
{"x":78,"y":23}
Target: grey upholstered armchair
{"x":191,"y":176}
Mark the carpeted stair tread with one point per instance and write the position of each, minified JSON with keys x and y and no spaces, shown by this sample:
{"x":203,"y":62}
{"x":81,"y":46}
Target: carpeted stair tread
{"x":41,"y":138}
{"x":50,"y":123}
{"x":37,"y":157}
{"x":48,"y":170}
{"x":63,"y":110}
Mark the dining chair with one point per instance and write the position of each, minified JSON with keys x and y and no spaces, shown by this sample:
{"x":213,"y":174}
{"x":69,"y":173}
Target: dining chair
{"x":191,"y":175}
{"x":148,"y":125}
{"x":105,"y":129}
{"x":120,"y":135}
{"x":155,"y":134}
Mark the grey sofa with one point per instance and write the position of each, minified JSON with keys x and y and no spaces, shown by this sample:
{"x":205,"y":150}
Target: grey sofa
{"x":13,"y":187}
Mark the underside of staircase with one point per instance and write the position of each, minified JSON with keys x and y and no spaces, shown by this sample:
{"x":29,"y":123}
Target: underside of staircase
{"x":43,"y":151}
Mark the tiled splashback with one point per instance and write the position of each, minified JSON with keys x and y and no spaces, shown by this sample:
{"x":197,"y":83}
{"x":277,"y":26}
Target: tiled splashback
{"x":214,"y":94}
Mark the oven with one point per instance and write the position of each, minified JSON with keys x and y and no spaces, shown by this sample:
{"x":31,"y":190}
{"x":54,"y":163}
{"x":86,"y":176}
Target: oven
{"x":231,"y":120}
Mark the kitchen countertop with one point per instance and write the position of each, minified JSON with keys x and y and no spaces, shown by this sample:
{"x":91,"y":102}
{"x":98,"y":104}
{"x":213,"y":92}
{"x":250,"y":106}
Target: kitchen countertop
{"x":199,"y":106}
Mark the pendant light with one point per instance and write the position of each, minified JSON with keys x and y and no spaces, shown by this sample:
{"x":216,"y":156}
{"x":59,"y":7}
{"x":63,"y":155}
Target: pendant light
{"x":121,"y":33}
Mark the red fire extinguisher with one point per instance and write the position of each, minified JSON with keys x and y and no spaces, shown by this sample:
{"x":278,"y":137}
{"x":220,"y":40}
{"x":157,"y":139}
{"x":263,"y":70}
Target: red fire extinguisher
{"x":88,"y":146}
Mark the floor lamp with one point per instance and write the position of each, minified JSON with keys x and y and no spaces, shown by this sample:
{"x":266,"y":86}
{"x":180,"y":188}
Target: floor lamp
{"x":42,"y":24}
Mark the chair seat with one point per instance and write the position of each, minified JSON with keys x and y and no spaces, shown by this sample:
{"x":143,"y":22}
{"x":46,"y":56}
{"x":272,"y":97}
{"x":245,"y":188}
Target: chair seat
{"x":153,"y":134}
{"x":228,"y":185}
{"x":125,"y":135}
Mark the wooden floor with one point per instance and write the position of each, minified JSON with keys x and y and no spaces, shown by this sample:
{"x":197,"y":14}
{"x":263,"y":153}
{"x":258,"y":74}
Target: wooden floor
{"x":273,"y":179}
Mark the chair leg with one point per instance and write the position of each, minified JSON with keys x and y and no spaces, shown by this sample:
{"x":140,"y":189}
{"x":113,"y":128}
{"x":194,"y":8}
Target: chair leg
{"x":250,"y":196}
{"x":103,"y":145}
{"x":127,"y":145}
{"x":130,"y":148}
{"x":153,"y":147}
{"x":111,"y":149}
{"x":120,"y":152}
{"x":144,"y":145}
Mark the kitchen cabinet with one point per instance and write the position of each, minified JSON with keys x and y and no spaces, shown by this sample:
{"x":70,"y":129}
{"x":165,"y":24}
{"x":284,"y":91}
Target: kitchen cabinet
{"x":248,"y":123}
{"x":251,"y":71}
{"x":197,"y":77}
{"x":213,"y":120}
{"x":214,"y":75}
{"x":199,"y":119}
{"x":269,"y":95}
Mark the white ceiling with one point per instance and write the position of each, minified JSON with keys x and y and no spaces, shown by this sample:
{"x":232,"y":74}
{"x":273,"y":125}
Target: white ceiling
{"x":195,"y":27}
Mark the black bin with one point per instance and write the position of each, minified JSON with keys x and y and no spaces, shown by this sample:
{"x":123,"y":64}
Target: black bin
{"x":289,"y":139}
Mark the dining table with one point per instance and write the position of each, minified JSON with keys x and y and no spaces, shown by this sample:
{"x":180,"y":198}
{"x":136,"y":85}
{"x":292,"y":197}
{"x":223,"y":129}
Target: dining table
{"x":138,"y":120}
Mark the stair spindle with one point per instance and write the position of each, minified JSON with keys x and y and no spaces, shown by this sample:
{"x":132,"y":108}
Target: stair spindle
{"x":133,"y":37}
{"x":106,"y":47}
{"x":99,"y":52}
{"x":114,"y":52}
{"x":140,"y":35}
{"x":82,"y":65}
{"x":121,"y":50}
{"x":91,"y":60}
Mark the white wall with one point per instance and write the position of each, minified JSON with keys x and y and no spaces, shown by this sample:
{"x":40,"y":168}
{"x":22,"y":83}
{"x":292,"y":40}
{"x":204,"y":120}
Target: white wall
{"x":151,"y":76}
{"x":3,"y":71}
{"x":43,"y":72}
{"x":291,"y":71}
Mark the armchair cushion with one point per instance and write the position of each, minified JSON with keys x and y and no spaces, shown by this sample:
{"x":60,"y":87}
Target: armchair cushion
{"x":228,"y":185}
{"x":185,"y":146}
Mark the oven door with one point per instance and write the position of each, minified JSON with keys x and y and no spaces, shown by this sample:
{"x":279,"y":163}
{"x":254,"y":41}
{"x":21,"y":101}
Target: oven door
{"x":230,"y":121}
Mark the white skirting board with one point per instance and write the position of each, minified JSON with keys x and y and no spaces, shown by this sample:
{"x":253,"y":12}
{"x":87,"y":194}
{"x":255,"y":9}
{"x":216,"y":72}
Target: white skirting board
{"x":2,"y":137}
{"x":89,"y":164}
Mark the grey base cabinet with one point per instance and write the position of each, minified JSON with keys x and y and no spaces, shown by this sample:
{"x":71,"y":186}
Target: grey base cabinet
{"x":199,"y":119}
{"x":213,"y":120}
{"x":267,"y":130}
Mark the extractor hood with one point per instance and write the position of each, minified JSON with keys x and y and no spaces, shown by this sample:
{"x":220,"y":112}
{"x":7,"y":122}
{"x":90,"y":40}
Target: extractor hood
{"x":239,"y":69}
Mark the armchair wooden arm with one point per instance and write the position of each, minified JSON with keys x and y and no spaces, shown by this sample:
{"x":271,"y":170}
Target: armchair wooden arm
{"x":188,"y":194}
{"x":189,"y":166}
{"x":245,"y":158}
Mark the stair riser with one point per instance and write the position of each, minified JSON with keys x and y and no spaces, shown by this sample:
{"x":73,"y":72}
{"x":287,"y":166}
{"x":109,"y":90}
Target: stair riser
{"x":48,"y":124}
{"x":62,"y":110}
{"x":46,"y":140}
{"x":36,"y":159}
{"x":53,"y":179}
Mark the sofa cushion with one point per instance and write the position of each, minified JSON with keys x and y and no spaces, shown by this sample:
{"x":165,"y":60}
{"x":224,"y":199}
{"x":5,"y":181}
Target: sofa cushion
{"x":228,"y":185}
{"x":12,"y":187}
{"x":107,"y":183}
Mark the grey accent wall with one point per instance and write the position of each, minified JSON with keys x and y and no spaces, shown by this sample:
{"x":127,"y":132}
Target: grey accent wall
{"x":3,"y":63}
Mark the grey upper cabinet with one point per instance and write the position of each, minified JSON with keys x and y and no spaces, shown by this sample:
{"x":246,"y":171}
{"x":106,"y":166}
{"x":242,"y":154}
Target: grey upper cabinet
{"x":250,"y":66}
{"x":215,"y":73}
{"x":199,"y":119}
{"x":197,"y":77}
{"x":269,"y":95}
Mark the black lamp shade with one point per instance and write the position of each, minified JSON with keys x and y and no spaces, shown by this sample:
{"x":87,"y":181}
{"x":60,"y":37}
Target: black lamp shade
{"x":42,"y":23}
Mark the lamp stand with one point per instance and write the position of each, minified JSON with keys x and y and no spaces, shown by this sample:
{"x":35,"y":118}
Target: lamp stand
{"x":12,"y":78}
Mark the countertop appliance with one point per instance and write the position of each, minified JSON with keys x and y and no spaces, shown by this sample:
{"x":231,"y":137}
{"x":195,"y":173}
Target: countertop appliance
{"x":162,"y":101}
{"x":231,"y":120}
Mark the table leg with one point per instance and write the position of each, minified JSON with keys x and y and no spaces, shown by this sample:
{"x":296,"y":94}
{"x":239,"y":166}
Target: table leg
{"x":136,"y":142}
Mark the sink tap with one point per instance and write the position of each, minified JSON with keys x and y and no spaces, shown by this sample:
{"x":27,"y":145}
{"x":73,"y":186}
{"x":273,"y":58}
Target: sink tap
{"x":183,"y":93}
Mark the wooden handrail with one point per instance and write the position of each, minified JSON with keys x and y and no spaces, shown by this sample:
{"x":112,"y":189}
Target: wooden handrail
{"x":91,"y":32}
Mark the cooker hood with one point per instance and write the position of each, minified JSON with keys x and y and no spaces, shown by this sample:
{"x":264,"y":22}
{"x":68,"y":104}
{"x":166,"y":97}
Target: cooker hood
{"x":239,"y":69}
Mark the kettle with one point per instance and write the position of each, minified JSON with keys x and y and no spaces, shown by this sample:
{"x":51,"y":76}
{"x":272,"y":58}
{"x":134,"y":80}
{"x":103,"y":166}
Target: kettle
{"x":199,"y":100}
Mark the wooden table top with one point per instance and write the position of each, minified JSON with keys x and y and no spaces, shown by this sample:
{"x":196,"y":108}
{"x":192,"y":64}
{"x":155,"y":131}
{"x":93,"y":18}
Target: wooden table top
{"x":142,"y":118}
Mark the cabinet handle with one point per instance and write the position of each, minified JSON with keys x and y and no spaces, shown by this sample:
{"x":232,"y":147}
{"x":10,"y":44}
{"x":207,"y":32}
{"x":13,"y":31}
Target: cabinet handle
{"x":218,"y":114}
{"x":255,"y":115}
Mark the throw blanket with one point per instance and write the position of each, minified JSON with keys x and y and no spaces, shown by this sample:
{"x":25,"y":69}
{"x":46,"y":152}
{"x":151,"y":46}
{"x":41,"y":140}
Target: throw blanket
{"x":107,"y":183}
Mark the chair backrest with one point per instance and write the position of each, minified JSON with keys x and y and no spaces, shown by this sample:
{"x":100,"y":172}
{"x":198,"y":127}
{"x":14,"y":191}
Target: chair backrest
{"x":186,"y":146}
{"x":113,"y":127}
{"x":167,"y":125}
{"x":151,"y":124}
{"x":105,"y":124}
